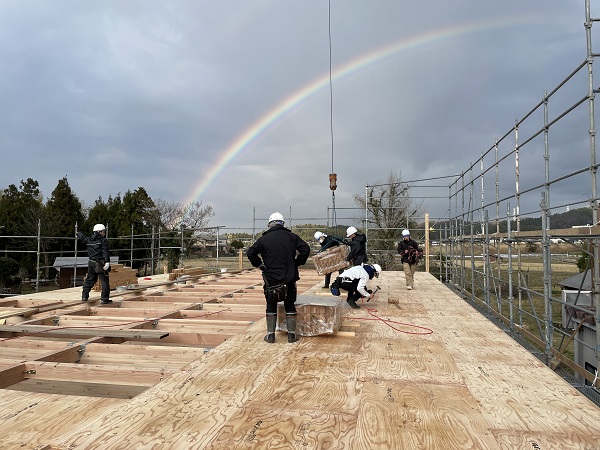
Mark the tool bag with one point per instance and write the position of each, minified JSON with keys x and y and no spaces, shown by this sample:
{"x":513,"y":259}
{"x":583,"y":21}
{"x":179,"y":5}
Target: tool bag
{"x":99,"y":266}
{"x":413,"y":256}
{"x":275,"y":293}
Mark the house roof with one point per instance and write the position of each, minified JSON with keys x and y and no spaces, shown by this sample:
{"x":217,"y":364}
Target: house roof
{"x":574,"y":282}
{"x":82,"y":261}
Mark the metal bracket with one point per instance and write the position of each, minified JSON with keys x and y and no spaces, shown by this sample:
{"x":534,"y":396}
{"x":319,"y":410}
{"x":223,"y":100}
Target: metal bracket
{"x":80,"y":352}
{"x":30,"y":371}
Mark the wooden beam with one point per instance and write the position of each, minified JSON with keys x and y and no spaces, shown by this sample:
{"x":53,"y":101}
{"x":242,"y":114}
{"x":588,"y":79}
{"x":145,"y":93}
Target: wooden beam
{"x":10,"y":376}
{"x":92,"y":388}
{"x":88,"y":332}
{"x":86,"y":373}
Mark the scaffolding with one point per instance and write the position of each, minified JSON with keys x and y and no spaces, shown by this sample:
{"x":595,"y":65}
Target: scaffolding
{"x":500,"y":249}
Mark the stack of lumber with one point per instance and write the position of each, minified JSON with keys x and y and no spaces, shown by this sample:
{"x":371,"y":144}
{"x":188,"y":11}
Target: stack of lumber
{"x":120,"y":275}
{"x":176,"y":273}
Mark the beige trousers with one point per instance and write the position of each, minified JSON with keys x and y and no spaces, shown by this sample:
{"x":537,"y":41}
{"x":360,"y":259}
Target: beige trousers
{"x":409,"y":273}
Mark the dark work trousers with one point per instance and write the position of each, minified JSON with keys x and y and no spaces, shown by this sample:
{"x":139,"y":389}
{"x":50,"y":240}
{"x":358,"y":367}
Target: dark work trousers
{"x":90,"y":281}
{"x":288,"y":302}
{"x":351,"y":286}
{"x":328,"y":277}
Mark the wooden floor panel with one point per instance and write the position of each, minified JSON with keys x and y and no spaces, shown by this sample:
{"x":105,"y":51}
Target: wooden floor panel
{"x":416,"y":369}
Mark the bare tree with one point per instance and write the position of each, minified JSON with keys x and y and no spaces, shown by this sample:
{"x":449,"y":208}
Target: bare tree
{"x":390,"y":208}
{"x":186,"y":222}
{"x":192,"y":216}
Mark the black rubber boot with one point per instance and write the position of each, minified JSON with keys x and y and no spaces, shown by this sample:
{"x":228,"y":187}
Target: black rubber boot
{"x":290,"y":321}
{"x":352,"y":303}
{"x":271,"y":324}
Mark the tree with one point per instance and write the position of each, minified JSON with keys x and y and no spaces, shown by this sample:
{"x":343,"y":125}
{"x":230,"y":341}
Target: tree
{"x":134,"y":221}
{"x":63,"y":211}
{"x":8,"y":271}
{"x":21,"y":210}
{"x":98,"y":213}
{"x":17,"y":204}
{"x":188,"y":220}
{"x":390,"y":208}
{"x":236,"y":245}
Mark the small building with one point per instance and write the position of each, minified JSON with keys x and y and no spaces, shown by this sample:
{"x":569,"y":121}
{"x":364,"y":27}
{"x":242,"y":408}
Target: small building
{"x":576,"y":290}
{"x":72,"y":270}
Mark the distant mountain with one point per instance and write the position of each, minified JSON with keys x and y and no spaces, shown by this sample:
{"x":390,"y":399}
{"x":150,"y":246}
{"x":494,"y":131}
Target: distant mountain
{"x":580,"y":216}
{"x":575,"y":217}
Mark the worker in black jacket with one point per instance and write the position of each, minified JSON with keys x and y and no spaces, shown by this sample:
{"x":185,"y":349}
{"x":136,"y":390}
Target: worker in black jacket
{"x":358,"y":246}
{"x":278,"y":253}
{"x":410,"y":254}
{"x":98,"y":264}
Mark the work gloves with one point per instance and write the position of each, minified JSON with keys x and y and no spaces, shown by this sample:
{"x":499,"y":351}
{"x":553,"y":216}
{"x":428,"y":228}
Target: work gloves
{"x":106,"y":266}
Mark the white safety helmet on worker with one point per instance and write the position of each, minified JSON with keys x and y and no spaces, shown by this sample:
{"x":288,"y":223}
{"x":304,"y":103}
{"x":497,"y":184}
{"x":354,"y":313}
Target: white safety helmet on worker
{"x":350,"y":231}
{"x":277,"y":218}
{"x":377,"y":268}
{"x":99,"y":227}
{"x":405,"y":233}
{"x":319,"y":235}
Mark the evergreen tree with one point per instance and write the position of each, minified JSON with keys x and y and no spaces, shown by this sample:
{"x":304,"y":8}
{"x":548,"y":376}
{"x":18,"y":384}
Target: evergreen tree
{"x":63,"y":211}
{"x":21,"y":210}
{"x":98,"y":213}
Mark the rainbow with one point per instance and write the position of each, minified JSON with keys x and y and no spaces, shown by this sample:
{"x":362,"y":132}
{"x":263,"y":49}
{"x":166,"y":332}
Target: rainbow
{"x":379,"y":56}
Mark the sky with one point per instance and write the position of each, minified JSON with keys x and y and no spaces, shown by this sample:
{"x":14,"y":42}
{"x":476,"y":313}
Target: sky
{"x":246,"y":106}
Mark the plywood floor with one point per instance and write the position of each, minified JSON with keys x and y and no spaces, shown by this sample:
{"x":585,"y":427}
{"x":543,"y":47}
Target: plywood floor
{"x":414,"y":369}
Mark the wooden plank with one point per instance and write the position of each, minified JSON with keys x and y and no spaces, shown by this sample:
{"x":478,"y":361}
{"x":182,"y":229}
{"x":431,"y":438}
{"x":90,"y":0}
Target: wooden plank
{"x":89,"y":332}
{"x":29,"y":420}
{"x":84,"y":373}
{"x":9,"y":312}
{"x":171,"y":357}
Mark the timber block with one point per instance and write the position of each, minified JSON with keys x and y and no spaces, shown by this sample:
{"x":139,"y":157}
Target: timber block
{"x":316,"y":315}
{"x":119,"y":275}
{"x":332,"y":259}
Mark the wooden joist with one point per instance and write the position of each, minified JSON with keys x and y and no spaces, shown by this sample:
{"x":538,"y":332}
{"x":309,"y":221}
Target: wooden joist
{"x":89,"y":332}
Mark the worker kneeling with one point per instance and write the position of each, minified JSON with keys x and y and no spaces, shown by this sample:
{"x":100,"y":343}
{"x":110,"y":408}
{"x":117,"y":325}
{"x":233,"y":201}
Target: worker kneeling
{"x":354,"y":280}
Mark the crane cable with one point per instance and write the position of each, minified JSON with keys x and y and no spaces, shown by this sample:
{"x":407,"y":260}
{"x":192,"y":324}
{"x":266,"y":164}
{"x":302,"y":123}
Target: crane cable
{"x":332,"y":175}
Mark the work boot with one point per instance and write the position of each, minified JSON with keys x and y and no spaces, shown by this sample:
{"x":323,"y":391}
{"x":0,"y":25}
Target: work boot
{"x":271,"y":323}
{"x":106,"y":302}
{"x":83,"y":299}
{"x":290,"y":321}
{"x":352,"y":303}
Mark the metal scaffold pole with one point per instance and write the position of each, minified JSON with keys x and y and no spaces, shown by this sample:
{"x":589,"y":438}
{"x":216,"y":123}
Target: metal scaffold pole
{"x":593,"y":172}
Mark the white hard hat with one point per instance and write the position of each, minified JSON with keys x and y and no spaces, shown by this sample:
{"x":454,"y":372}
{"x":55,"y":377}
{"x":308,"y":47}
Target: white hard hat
{"x":99,"y":227}
{"x":405,"y":233}
{"x":377,"y":268}
{"x":350,"y":231}
{"x":276,"y":217}
{"x":319,"y":235}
